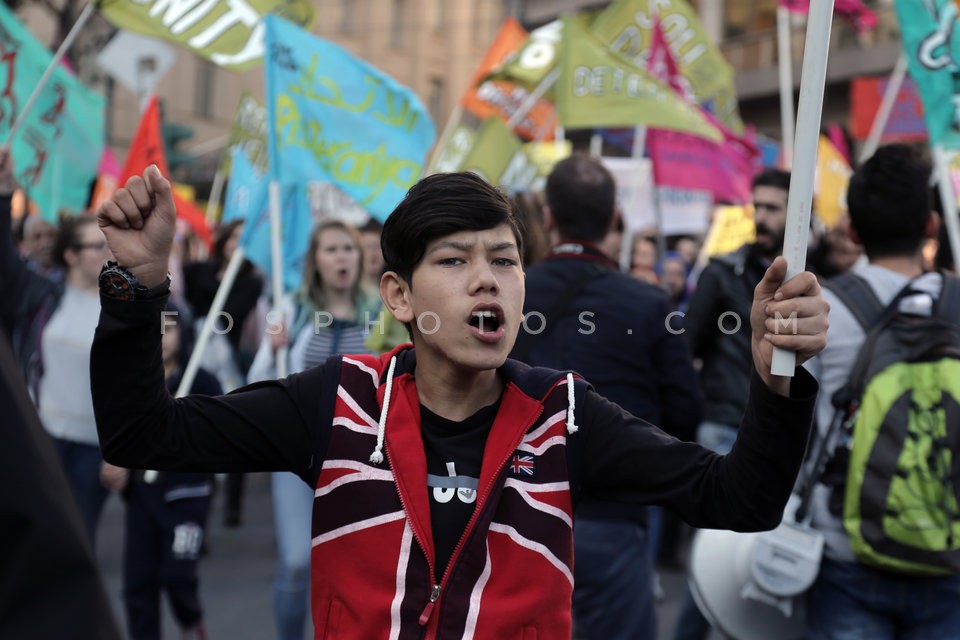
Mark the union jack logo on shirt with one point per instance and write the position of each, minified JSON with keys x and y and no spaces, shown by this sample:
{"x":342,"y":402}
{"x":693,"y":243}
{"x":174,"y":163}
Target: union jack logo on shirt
{"x":522,"y":465}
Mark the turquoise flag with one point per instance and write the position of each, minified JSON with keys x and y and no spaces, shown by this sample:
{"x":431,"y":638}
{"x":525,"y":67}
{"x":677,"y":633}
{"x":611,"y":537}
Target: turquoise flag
{"x":933,"y":56}
{"x":248,"y":199}
{"x":57,"y":148}
{"x":333,"y":117}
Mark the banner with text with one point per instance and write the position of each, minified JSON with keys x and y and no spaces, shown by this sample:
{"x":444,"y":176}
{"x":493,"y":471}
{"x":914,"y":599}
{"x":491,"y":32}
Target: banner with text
{"x":599,"y":88}
{"x":226,"y":32}
{"x":905,"y":123}
{"x":502,"y":98}
{"x":332,"y":116}
{"x":626,"y":26}
{"x":248,"y":132}
{"x":61,"y":140}
{"x":927,"y":28}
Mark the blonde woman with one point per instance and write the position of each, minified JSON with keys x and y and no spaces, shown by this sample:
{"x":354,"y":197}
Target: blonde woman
{"x":329,"y":315}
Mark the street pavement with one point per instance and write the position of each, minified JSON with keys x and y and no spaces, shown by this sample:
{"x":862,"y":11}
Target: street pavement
{"x":237,"y":573}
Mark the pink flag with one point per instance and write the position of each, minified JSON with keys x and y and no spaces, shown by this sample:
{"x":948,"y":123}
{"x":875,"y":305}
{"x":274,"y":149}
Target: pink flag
{"x":689,"y":162}
{"x":853,"y":11}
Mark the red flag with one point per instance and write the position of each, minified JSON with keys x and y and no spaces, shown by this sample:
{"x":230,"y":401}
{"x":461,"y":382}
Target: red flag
{"x":853,"y":11}
{"x":147,"y":149}
{"x":663,"y":66}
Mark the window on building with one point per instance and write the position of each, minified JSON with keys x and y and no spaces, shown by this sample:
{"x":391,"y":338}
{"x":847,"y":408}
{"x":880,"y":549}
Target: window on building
{"x":347,"y":16}
{"x":435,"y":102}
{"x":397,"y":23}
{"x":203,"y":95}
{"x":741,"y":18}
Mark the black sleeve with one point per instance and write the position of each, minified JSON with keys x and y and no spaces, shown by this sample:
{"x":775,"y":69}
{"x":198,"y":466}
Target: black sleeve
{"x":48,"y":565}
{"x":700,"y":320}
{"x":628,"y":460}
{"x":24,"y":291}
{"x":678,"y":386}
{"x":269,"y":426}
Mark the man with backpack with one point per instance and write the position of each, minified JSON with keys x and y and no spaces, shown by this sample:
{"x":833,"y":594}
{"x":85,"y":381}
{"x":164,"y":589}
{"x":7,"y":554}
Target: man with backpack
{"x":886,"y":500}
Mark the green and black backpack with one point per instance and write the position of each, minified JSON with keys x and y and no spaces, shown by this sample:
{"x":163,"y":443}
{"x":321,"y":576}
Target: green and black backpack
{"x":897,"y":424}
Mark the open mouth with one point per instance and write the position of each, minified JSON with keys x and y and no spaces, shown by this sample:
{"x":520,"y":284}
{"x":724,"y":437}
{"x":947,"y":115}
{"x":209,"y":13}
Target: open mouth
{"x":486,"y":320}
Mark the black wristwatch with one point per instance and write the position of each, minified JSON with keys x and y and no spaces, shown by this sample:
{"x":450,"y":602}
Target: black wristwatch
{"x":119,"y":284}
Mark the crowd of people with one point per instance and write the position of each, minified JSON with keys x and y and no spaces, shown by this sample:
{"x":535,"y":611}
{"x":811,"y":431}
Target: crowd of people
{"x":446,"y":471}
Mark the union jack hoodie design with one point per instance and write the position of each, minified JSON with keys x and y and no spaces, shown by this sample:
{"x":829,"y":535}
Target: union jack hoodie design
{"x":511,"y":574}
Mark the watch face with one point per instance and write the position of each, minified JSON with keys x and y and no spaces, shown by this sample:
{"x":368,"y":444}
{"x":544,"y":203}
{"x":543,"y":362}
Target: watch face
{"x":115,"y":285}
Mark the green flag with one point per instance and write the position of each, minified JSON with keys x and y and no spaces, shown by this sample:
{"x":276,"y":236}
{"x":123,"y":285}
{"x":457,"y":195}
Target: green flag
{"x":933,"y":56}
{"x":58,"y":147}
{"x":498,"y":157}
{"x":226,"y":32}
{"x":599,"y":88}
{"x":626,"y":26}
{"x":248,"y":132}
{"x":455,"y":148}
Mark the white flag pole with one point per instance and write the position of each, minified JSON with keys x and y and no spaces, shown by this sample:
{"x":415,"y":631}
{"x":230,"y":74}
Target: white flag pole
{"x":216,"y":307}
{"x":949,"y":199}
{"x":886,"y":108}
{"x":785,"y":68}
{"x":216,"y":190}
{"x":545,"y":85}
{"x":276,"y":264}
{"x":800,"y":199}
{"x":42,"y":82}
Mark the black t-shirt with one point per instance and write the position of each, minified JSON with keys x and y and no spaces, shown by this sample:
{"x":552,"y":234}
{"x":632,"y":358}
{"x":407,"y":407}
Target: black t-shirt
{"x":454,"y":455}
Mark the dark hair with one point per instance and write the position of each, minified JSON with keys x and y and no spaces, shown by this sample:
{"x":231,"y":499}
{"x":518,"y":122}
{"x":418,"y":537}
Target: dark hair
{"x":68,"y":236}
{"x":889,"y":201}
{"x":581,"y":194}
{"x":220,"y":238}
{"x":372,"y":225}
{"x":772,"y":177}
{"x":438,"y":206}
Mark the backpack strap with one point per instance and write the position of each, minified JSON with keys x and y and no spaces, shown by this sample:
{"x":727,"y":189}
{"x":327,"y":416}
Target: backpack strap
{"x":526,"y":341}
{"x":948,"y":305}
{"x":858,"y":296}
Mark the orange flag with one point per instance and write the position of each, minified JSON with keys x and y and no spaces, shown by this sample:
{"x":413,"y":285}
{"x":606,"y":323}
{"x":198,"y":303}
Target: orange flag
{"x":502,"y":98}
{"x":147,"y":149}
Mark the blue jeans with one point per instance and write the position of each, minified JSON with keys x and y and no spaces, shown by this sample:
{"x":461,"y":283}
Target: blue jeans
{"x":613,"y":596}
{"x":81,"y":464}
{"x":850,"y":601}
{"x":691,"y":624}
{"x":292,"y":513}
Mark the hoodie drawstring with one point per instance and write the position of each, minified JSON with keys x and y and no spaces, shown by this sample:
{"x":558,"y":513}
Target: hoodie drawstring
{"x":571,"y":405}
{"x":377,"y":456}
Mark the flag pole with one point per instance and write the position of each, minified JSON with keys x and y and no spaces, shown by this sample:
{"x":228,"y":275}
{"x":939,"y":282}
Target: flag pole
{"x":528,"y":103}
{"x":42,"y":82}
{"x":949,"y":200}
{"x":880,"y":120}
{"x":785,"y":68}
{"x":276,"y":266}
{"x":216,"y":190}
{"x":441,"y":142}
{"x":800,"y":198}
{"x":219,"y":300}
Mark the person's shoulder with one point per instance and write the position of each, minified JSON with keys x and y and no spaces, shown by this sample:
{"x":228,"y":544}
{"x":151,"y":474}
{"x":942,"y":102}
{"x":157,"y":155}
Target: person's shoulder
{"x":535,"y":382}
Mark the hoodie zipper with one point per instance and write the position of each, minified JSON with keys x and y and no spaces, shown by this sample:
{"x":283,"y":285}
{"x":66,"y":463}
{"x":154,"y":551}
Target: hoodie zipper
{"x":435,"y":594}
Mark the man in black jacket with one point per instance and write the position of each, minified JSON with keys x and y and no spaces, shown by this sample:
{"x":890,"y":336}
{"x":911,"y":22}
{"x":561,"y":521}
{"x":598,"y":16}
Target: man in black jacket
{"x":583,"y":314}
{"x":718,"y":329}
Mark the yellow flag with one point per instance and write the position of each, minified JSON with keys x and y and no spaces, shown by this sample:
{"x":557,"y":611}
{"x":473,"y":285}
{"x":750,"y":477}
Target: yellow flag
{"x":833,"y":176}
{"x":226,"y":32}
{"x":732,"y":227}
